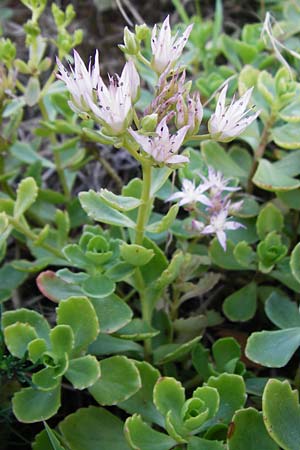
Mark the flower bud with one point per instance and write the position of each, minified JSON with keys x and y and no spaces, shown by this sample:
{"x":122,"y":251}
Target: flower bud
{"x":131,"y":45}
{"x":149,"y":122}
{"x":141,"y":32}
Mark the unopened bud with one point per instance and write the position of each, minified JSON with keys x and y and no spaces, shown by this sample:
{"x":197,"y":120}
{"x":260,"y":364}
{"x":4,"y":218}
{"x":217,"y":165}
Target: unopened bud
{"x":149,"y":122}
{"x":21,"y":66}
{"x":45,"y":64}
{"x":130,"y":41}
{"x":142,"y":31}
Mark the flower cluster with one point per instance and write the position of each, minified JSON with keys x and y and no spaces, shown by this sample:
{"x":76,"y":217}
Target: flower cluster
{"x":112,"y":106}
{"x":218,"y":206}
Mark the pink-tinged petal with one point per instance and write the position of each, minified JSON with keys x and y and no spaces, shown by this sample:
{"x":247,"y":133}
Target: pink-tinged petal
{"x":185,"y":201}
{"x":230,"y":225}
{"x":162,"y":130}
{"x":209,"y":229}
{"x":220,"y":108}
{"x":204,"y":200}
{"x":130,"y":79}
{"x":144,"y":141}
{"x":221,"y":236}
{"x":179,"y":138}
{"x":198,"y":226}
{"x":181,"y":42}
{"x":188,"y":184}
{"x":177,"y":159}
{"x":96,"y":70}
{"x":238,"y":108}
{"x":99,"y":112}
{"x":175,"y":196}
{"x":180,"y":112}
{"x":213,"y":125}
{"x":198,"y":108}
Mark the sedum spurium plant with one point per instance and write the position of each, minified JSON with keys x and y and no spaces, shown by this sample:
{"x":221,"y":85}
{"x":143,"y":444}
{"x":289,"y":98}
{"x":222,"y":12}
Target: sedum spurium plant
{"x":206,"y":237}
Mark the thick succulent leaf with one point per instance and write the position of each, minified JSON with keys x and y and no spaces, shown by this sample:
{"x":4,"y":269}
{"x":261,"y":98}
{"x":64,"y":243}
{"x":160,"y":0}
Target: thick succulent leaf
{"x":112,"y":312}
{"x":93,"y":428}
{"x":83,"y":372}
{"x":196,"y":443}
{"x":33,"y":405}
{"x":26,"y":195}
{"x":232,"y":392}
{"x":97,"y":209}
{"x":241,"y":305}
{"x":142,"y":401}
{"x":249,"y":432}
{"x":55,"y":288}
{"x":168,"y":395}
{"x":141,"y":436}
{"x":79,"y":314}
{"x":281,"y":311}
{"x":33,"y":318}
{"x":281,"y":413}
{"x":17,"y":337}
{"x":120,"y":379}
{"x":273,"y":348}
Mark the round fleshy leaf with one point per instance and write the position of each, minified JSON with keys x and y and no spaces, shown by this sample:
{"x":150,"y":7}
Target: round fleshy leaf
{"x":232,"y":392}
{"x":295,"y":262}
{"x":281,"y":413}
{"x":136,"y":255}
{"x":120,"y":379}
{"x":55,"y":288}
{"x":226,"y":353}
{"x":79,"y":314}
{"x":249,"y":432}
{"x":93,"y":428}
{"x":273,"y":348}
{"x":83,"y":372}
{"x":33,"y":405}
{"x":241,"y":305}
{"x":281,"y":311}
{"x":45,"y":379}
{"x":17,"y":337}
{"x":112,"y":312}
{"x":270,"y":219}
{"x":142,"y":401}
{"x":168,"y":395}
{"x":33,"y":318}
{"x":36,"y":348}
{"x":141,"y":436}
{"x":62,"y":339}
{"x":98,"y":286}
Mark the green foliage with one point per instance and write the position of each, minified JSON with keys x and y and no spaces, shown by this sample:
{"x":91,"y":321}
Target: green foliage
{"x":137,"y":295}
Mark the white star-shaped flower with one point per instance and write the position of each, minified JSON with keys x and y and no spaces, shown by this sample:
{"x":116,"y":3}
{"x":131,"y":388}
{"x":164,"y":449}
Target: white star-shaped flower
{"x":228,"y":122}
{"x":219,"y":224}
{"x":166,"y":50}
{"x":80,"y":81}
{"x":163,"y":146}
{"x":190,"y":194}
{"x":114,"y":106}
{"x":217,"y":183}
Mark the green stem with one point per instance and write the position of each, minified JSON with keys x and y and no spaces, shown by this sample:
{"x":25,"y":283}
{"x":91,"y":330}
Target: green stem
{"x":32,"y":236}
{"x":142,"y":220}
{"x":198,"y":137}
{"x":144,"y":207}
{"x":57,"y":159}
{"x":143,"y":59}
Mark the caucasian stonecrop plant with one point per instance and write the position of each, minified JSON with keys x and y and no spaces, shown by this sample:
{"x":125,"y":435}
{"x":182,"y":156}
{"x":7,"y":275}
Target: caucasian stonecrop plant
{"x":121,"y":267}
